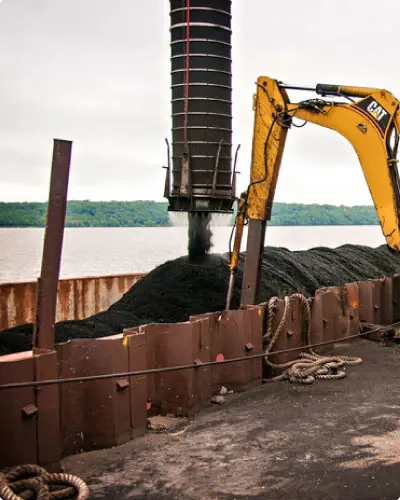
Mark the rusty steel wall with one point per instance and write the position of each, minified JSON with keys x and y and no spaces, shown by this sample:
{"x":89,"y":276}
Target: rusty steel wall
{"x":77,"y":298}
{"x":102,"y":413}
{"x":41,"y":426}
{"x":30,"y":430}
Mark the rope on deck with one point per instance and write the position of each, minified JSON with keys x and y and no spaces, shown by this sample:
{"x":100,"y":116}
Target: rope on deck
{"x":33,"y":482}
{"x":308,"y":367}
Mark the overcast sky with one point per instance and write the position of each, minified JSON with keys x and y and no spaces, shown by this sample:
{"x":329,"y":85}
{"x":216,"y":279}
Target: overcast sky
{"x":97,"y":72}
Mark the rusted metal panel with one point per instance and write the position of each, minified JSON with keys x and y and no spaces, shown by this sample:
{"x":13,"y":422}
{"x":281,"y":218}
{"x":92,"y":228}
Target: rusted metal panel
{"x":88,"y":297}
{"x":340,"y":312}
{"x":231,"y":332}
{"x":64,"y":299}
{"x":202,"y":380}
{"x":376,"y":286}
{"x":210,"y":326}
{"x":216,"y":349}
{"x":252,"y":332}
{"x":387,"y":301}
{"x":79,"y":306}
{"x":366,"y":301}
{"x":18,"y":435}
{"x":370,"y":295}
{"x":334,"y":320}
{"x":351,"y":308}
{"x":17,"y":303}
{"x":48,"y":418}
{"x":93,"y":414}
{"x":150,"y":341}
{"x":172,"y":345}
{"x":377,"y":301}
{"x":316,"y":319}
{"x":396,"y":297}
{"x":328,"y":316}
{"x":118,"y":360}
{"x":77,"y":298}
{"x":138,"y":389}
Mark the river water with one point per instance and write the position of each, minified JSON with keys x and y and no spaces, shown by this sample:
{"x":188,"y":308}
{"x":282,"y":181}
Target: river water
{"x":102,"y":251}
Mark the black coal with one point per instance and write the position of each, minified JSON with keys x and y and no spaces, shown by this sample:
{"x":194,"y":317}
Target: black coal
{"x":180,"y":288}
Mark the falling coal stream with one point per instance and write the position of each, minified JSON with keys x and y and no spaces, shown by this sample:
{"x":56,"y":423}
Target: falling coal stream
{"x":200,"y":235}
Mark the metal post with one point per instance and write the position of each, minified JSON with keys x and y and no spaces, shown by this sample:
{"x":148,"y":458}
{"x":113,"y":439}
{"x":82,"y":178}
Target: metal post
{"x":252,"y":265}
{"x":43,"y":337}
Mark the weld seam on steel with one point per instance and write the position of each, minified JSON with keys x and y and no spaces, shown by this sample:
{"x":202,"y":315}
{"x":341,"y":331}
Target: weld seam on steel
{"x":201,"y":128}
{"x":206,"y":70}
{"x":202,"y":84}
{"x":208,"y":40}
{"x":201,"y":25}
{"x":20,"y":385}
{"x":225,"y":101}
{"x":203,"y":113}
{"x":177,"y":56}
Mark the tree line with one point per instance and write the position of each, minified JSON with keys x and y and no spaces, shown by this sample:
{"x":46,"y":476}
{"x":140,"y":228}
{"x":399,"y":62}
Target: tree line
{"x":154,"y":214}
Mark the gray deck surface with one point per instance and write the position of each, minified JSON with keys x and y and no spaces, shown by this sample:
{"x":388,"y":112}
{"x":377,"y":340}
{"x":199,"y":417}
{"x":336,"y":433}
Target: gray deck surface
{"x":332,"y":440}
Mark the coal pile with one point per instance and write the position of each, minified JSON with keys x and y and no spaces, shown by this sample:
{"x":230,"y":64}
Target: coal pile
{"x":180,"y":288}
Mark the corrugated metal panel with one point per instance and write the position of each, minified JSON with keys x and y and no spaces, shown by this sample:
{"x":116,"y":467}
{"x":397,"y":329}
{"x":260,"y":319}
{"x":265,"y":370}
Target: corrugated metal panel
{"x":77,"y":298}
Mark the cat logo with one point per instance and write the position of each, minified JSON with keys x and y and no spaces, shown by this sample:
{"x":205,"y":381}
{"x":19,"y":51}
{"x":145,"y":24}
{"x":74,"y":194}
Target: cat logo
{"x":375,"y":112}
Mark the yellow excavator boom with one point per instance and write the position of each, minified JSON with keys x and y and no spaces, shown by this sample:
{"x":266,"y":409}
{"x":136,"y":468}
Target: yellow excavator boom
{"x":368,"y":124}
{"x":371,"y":124}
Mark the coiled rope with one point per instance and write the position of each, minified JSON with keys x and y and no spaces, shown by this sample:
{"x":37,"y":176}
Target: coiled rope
{"x":33,"y":482}
{"x":310,"y":366}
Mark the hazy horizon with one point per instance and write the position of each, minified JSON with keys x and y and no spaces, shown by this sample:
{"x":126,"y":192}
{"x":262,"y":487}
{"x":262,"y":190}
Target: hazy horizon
{"x":83,"y":70}
{"x":165,"y":201}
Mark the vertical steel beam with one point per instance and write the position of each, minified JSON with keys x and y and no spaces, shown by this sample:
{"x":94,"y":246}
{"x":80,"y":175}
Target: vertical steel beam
{"x":253,"y":259}
{"x":44,"y":337}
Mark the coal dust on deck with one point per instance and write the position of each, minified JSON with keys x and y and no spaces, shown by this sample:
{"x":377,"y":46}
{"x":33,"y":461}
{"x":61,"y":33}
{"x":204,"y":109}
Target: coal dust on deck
{"x":337,"y":440}
{"x":180,"y":288}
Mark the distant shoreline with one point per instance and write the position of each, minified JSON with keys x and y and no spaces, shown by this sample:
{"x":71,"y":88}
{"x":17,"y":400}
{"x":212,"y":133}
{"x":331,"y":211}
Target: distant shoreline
{"x":86,"y":214}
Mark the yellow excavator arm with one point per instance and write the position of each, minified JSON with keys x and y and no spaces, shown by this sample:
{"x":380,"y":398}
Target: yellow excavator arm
{"x":370,"y":123}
